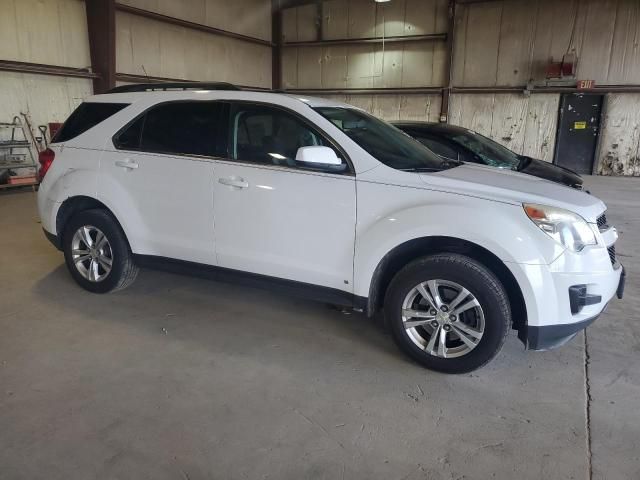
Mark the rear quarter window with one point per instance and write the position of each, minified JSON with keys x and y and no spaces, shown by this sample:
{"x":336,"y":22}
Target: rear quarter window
{"x":86,"y":116}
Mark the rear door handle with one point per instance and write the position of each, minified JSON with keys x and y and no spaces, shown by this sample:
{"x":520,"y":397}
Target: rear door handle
{"x":130,"y":164}
{"x":236,"y":182}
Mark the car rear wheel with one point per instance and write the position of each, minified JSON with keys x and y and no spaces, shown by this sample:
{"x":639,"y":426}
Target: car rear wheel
{"x":97,"y":253}
{"x":448,"y":312}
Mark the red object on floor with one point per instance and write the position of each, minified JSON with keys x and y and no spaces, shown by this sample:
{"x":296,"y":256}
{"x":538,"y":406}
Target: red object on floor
{"x":21,"y":180}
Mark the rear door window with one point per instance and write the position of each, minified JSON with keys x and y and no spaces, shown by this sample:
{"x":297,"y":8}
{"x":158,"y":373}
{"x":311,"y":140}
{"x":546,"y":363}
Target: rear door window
{"x":86,"y":116}
{"x":130,"y":137}
{"x":187,"y":128}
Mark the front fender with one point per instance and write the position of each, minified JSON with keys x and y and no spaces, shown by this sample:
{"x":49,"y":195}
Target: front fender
{"x":501,"y":228}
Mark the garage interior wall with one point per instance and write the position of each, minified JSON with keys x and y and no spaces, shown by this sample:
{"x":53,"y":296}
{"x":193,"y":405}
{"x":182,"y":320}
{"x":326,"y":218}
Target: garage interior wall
{"x":54,"y":33}
{"x":498,"y":45}
{"x":147,"y":47}
{"x":51,"y":32}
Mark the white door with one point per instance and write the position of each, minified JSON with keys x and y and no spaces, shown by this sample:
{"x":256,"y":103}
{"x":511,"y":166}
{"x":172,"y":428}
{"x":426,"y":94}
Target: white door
{"x":158,"y":180}
{"x":276,"y":217}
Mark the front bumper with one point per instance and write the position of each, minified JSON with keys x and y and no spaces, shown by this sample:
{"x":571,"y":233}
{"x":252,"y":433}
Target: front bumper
{"x":545,"y":337}
{"x":548,"y":290}
{"x":552,"y":336}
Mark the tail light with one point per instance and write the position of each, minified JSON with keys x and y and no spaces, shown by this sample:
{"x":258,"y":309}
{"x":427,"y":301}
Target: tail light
{"x":45,"y":158}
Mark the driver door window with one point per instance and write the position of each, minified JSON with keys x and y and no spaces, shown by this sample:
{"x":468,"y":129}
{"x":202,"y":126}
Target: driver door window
{"x":272,"y":136}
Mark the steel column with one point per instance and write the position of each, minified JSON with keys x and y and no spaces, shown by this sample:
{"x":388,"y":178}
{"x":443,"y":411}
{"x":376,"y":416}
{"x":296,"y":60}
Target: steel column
{"x":276,"y":49}
{"x":101,"y":23}
{"x":446,"y":91}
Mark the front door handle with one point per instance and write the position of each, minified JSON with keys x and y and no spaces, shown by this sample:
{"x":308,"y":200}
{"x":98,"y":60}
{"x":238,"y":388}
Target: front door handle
{"x":236,"y":182}
{"x":130,"y":164}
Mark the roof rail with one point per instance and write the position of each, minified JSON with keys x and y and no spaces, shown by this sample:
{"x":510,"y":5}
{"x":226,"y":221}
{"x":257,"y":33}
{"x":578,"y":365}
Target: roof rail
{"x":149,"y":87}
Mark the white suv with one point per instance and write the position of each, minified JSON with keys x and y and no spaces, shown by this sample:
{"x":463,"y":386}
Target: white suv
{"x":319,"y":198}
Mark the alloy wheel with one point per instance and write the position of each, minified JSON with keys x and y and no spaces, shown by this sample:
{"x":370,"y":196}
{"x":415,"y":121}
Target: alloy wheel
{"x":443,"y":318}
{"x":91,"y":253}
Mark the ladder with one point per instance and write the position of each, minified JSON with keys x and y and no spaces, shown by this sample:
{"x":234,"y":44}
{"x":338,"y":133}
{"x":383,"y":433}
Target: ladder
{"x":15,"y":153}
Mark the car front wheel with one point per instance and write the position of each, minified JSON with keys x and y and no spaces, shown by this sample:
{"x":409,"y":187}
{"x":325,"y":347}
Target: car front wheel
{"x":448,"y":312}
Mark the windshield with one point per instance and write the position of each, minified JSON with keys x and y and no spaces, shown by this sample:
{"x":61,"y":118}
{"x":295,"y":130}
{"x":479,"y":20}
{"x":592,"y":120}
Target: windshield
{"x":383,"y":141}
{"x":491,"y":153}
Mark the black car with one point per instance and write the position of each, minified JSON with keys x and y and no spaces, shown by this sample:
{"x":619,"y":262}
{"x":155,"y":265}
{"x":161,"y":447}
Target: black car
{"x":457,"y":143}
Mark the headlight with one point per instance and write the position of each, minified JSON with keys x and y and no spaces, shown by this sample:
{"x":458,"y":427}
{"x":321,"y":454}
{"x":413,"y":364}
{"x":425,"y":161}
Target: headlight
{"x":565,"y":227}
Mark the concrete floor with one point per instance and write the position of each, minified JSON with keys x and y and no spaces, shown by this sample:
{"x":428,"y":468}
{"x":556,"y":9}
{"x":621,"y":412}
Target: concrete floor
{"x":185,"y":378}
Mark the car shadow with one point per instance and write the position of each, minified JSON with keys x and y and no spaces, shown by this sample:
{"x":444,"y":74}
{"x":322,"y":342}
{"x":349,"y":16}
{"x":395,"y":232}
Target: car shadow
{"x":198,"y":310}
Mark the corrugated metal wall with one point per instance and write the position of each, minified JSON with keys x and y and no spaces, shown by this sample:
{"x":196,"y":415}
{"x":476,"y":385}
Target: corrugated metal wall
{"x":52,"y":32}
{"x":525,"y":124}
{"x":247,"y":17}
{"x":371,"y":65}
{"x":509,"y":42}
{"x":620,"y":141}
{"x":149,"y":47}
{"x":497,"y":43}
{"x":396,"y":107}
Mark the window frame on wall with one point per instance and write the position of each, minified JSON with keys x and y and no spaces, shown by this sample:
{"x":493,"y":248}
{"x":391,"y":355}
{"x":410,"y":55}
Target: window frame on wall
{"x":220,"y":131}
{"x":315,"y":129}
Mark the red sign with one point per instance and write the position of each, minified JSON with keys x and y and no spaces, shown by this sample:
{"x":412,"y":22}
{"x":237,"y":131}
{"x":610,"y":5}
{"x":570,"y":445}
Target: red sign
{"x":586,"y":84}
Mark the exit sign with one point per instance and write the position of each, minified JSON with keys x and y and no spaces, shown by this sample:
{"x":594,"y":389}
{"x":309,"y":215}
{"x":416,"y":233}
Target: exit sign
{"x":586,"y":84}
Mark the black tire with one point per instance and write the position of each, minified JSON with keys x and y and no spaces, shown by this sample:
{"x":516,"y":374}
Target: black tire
{"x":478,"y":280}
{"x":123,"y":269}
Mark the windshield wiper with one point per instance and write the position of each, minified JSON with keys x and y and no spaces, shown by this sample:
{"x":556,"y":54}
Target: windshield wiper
{"x":524,"y":162}
{"x":446,"y":164}
{"x":420,"y":169}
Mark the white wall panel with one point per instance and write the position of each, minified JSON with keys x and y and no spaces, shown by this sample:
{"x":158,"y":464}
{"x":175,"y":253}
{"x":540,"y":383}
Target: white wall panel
{"x":395,"y":107}
{"x":541,"y":126}
{"x":247,"y":17}
{"x":410,"y":64}
{"x":45,"y":98}
{"x":624,"y":66}
{"x":509,"y":42}
{"x":476,"y":44}
{"x":335,"y":19}
{"x":526,"y":125}
{"x":53,"y":32}
{"x":149,"y":47}
{"x":620,"y":140}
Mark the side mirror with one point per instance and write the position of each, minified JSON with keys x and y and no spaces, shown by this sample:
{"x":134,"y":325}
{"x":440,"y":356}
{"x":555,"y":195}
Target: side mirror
{"x":317,"y":155}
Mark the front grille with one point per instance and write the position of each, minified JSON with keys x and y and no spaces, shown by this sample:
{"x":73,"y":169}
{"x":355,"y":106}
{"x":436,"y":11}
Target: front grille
{"x":612,"y":254}
{"x":602,"y":222}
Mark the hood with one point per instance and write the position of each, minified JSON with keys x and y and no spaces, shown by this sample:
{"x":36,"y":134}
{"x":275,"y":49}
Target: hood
{"x":513,"y":187}
{"x":551,"y":172}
